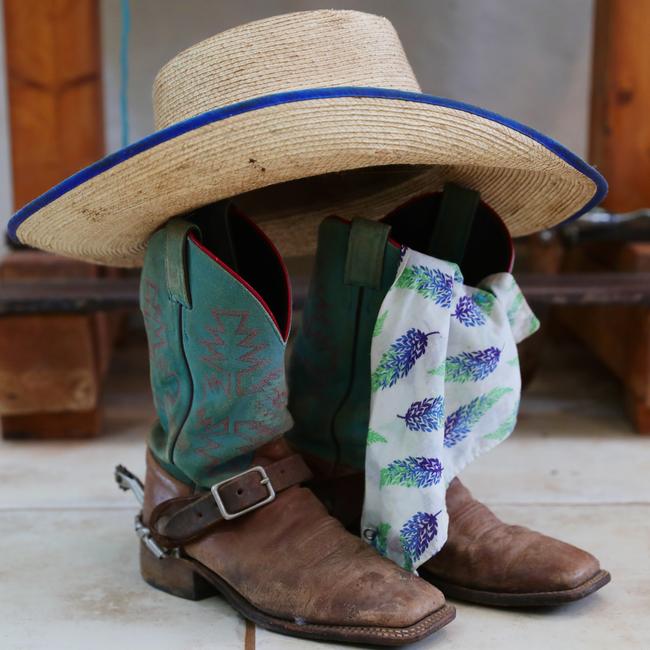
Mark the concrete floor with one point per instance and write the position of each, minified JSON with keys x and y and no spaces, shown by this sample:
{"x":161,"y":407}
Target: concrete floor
{"x":574,"y":468}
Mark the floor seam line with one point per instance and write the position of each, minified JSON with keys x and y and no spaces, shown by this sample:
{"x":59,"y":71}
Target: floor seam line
{"x":537,"y":504}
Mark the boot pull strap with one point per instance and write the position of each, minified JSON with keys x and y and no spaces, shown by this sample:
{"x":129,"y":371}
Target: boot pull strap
{"x":178,"y":286}
{"x":365,"y":258}
{"x":454,"y":223}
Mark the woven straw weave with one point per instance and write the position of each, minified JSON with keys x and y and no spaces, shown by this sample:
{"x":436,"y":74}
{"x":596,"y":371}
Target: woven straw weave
{"x":355,"y":156}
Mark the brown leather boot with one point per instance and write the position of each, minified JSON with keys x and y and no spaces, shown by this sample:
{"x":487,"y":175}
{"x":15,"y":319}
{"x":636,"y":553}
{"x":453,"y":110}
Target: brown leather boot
{"x":492,"y":563}
{"x":288,"y":566}
{"x":484,"y":560}
{"x":223,"y":510}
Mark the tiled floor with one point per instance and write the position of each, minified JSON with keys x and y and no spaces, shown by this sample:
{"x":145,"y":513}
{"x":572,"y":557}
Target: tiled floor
{"x":574,"y":468}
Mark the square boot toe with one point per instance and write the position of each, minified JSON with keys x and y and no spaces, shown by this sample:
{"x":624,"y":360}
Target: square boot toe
{"x":387,"y":596}
{"x":512,"y":560}
{"x":551,"y":565}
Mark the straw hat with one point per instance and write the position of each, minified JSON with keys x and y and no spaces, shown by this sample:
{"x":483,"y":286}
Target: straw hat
{"x":320,"y":108}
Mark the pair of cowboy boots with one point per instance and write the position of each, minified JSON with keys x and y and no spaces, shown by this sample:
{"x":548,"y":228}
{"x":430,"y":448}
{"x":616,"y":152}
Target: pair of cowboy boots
{"x":225,"y":508}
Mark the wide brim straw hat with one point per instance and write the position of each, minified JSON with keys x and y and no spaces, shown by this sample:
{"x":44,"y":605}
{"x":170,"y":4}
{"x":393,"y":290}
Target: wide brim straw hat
{"x":300,"y":116}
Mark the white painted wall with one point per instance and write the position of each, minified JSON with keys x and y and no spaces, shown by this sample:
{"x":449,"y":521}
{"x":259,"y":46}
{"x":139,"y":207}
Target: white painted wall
{"x":527,"y":59}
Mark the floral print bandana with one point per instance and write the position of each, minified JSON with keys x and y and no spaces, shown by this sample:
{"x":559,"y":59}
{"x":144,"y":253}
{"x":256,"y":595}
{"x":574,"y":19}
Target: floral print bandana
{"x":445,"y":389}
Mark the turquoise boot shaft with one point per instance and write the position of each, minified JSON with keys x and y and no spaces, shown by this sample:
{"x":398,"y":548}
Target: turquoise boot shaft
{"x":330,"y":365}
{"x":356,"y":264}
{"x":216,"y":344}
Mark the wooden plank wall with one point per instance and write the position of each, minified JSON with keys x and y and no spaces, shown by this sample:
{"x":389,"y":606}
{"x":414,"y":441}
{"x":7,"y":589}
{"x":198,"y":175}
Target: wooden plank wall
{"x":620,"y":148}
{"x":51,"y":366}
{"x":55,"y":91}
{"x":619,"y":137}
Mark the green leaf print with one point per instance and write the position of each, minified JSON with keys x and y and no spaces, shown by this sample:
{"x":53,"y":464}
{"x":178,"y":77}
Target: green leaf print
{"x":400,"y":357}
{"x":439,"y":371}
{"x":374,"y":437}
{"x":379,"y":325}
{"x":472,"y":366}
{"x":460,"y":423}
{"x":505,"y":428}
{"x":485,"y":301}
{"x":417,"y":472}
{"x":515,"y":306}
{"x":428,"y":282}
{"x":380,"y":540}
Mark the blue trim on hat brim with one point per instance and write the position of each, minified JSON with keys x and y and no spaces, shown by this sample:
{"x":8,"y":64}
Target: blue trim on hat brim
{"x":289,"y":97}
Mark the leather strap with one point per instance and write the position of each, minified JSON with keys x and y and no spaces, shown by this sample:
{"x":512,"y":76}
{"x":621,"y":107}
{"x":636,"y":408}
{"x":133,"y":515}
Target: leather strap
{"x":454,"y":223}
{"x":365,"y":257}
{"x":178,"y":521}
{"x":178,"y":286}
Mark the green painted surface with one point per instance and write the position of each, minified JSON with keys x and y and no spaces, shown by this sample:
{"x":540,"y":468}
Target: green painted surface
{"x":217,"y":367}
{"x":329,"y":374}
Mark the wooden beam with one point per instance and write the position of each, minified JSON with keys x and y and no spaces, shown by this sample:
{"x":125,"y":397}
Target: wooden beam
{"x":620,"y":148}
{"x":619,"y":140}
{"x":51,"y":369}
{"x":55,"y":91}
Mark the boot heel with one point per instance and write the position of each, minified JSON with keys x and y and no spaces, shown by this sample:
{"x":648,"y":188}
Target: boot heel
{"x":174,"y":575}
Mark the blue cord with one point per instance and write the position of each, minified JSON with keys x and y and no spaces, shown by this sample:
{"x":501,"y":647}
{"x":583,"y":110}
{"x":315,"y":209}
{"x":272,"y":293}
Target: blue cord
{"x":125,"y":11}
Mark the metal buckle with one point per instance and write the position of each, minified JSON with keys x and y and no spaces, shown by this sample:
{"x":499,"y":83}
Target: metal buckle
{"x":264,"y":480}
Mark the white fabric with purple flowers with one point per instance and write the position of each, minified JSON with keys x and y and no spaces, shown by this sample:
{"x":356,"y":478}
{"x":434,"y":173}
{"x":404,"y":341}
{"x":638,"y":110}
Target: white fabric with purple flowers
{"x":445,"y":389}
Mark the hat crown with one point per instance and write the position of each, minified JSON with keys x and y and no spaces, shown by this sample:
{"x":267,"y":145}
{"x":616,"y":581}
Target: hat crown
{"x":309,"y":49}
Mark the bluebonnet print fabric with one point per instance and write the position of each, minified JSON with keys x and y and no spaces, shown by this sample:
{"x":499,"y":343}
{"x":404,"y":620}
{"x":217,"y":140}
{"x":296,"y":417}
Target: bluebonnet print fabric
{"x":425,"y":415}
{"x":396,"y":362}
{"x":469,"y":312}
{"x":445,"y":389}
{"x":428,"y":282}
{"x":472,"y":366}
{"x":417,"y":534}
{"x":460,"y":423}
{"x":412,"y":472}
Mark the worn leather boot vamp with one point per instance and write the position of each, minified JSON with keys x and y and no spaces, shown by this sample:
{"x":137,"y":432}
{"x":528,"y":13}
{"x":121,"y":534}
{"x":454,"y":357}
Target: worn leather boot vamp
{"x":488,"y":561}
{"x":291,"y":560}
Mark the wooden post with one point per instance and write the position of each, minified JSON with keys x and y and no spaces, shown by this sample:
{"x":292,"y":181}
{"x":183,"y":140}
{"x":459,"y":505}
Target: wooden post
{"x":620,"y":148}
{"x":51,"y":366}
{"x":619,"y":142}
{"x":55,"y":94}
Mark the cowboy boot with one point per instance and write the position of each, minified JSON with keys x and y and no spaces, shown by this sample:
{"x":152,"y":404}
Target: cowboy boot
{"x":483,"y":560}
{"x":224,"y":511}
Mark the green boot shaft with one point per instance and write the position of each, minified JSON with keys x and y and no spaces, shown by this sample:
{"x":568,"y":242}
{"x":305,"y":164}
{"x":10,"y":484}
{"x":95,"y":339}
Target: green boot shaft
{"x":216,"y":347}
{"x":330,"y":366}
{"x":356,"y":264}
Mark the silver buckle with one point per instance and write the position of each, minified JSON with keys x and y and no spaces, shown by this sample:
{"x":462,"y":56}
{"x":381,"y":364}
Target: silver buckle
{"x":264,"y":480}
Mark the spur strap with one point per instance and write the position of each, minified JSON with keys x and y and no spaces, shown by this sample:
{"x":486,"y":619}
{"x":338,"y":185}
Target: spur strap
{"x":178,"y":521}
